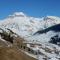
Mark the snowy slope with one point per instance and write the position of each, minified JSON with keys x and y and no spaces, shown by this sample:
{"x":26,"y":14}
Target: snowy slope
{"x":47,"y":34}
{"x":25,"y":25}
{"x":21,"y":24}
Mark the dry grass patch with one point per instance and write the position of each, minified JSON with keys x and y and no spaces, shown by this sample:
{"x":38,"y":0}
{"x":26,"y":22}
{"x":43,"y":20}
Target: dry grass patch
{"x":13,"y":54}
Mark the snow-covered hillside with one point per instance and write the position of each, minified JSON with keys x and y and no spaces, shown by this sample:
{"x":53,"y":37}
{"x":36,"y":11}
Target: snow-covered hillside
{"x":26,"y":26}
{"x":21,"y":24}
{"x":51,"y":33}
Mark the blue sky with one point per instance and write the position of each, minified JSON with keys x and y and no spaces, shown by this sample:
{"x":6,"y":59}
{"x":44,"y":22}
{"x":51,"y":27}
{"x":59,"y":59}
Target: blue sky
{"x":36,"y":8}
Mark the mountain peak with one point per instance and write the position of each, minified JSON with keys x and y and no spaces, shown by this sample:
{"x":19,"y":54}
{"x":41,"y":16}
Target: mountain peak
{"x":53,"y":17}
{"x":17,"y":14}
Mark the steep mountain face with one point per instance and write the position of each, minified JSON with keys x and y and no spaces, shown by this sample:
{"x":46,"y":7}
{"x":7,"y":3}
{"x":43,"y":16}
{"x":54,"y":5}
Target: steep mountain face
{"x":51,"y":20}
{"x":26,"y":26}
{"x":50,"y":34}
{"x":21,"y":24}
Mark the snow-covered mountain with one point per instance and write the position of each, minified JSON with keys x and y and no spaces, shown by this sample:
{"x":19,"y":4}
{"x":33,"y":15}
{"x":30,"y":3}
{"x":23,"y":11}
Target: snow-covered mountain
{"x":25,"y":25}
{"x":45,"y":35}
{"x":21,"y":24}
{"x":41,"y":31}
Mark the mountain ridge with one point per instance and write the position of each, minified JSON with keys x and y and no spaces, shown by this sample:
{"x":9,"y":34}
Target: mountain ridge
{"x":26,"y":26}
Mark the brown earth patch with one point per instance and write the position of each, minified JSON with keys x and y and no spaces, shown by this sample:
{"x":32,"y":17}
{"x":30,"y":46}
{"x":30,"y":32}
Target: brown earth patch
{"x":13,"y":54}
